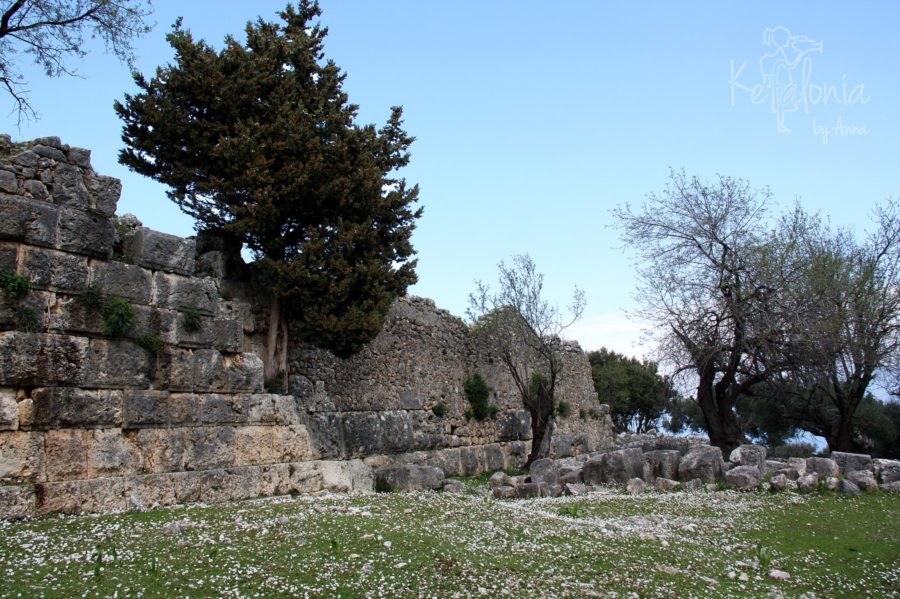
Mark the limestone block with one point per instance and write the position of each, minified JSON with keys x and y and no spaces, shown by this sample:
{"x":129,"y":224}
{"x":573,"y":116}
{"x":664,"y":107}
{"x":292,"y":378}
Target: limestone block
{"x":53,"y":270}
{"x":33,"y":359}
{"x":127,"y":281}
{"x":222,"y":409}
{"x":157,"y":450}
{"x":116,"y":363}
{"x":227,"y":335}
{"x":188,"y":486}
{"x":206,"y":448}
{"x":352,"y":476}
{"x":155,"y":321}
{"x":80,"y":157}
{"x":702,"y":462}
{"x":11,"y":315}
{"x":362,"y":433}
{"x":174,"y":369}
{"x":58,"y":497}
{"x":26,"y":158}
{"x":210,"y":373}
{"x":66,"y":454}
{"x":255,"y":445}
{"x":56,"y":407}
{"x":448,"y":460}
{"x":145,"y":408}
{"x":103,"y":495}
{"x":105,"y":192}
{"x":245,"y":373}
{"x":232,"y":484}
{"x":851,"y":462}
{"x":67,"y":314}
{"x":110,"y":454}
{"x":184,"y":409}
{"x":287,"y":409}
{"x":31,"y":221}
{"x":9,"y":410}
{"x":160,"y":251}
{"x":662,"y":463}
{"x":544,"y":471}
{"x":292,"y":444}
{"x":274,"y":480}
{"x":260,"y":408}
{"x":749,"y":455}
{"x":622,"y":465}
{"x":17,"y":502}
{"x":242,"y":312}
{"x":396,"y":432}
{"x":150,"y":491}
{"x":743,"y":477}
{"x":49,"y":152}
{"x":471,"y":460}
{"x":306,"y":478}
{"x":824,"y":467}
{"x":85,"y":233}
{"x":8,"y":182}
{"x":493,"y":457}
{"x":21,"y":457}
{"x":408,"y":477}
{"x":26,"y":413}
{"x":327,"y":434}
{"x":514,"y":426}
{"x":8,"y":256}
{"x":68,"y":187}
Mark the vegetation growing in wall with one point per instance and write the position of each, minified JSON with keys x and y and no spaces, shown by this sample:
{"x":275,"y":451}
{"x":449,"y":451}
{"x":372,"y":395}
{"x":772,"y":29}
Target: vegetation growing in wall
{"x":14,"y":286}
{"x":118,"y":317}
{"x":478,"y":393}
{"x":192,"y":320}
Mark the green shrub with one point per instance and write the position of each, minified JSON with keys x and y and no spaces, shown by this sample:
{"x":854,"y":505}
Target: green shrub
{"x":478,"y":393}
{"x":14,"y":286}
{"x":582,"y":413}
{"x":563,"y":408}
{"x":192,"y":320}
{"x":26,"y":319}
{"x":92,"y":298}
{"x":439,"y":410}
{"x":152,"y":343}
{"x":118,"y":317}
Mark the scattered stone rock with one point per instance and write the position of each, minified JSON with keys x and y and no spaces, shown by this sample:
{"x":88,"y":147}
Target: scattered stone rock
{"x":781,"y":482}
{"x":636,"y":486}
{"x":544,"y":471}
{"x":808,"y":482}
{"x":798,"y":464}
{"x":863,"y":479}
{"x":499,"y":479}
{"x":666,"y":485}
{"x":893,"y":487}
{"x":749,"y":455}
{"x":453,"y":486}
{"x":703,"y":462}
{"x":851,"y":462}
{"x":780,"y":575}
{"x":743,"y":477}
{"x":504,"y":492}
{"x":824,"y":467}
{"x":695,"y":484}
{"x":576,"y":489}
{"x":846,"y":487}
{"x":887,"y":470}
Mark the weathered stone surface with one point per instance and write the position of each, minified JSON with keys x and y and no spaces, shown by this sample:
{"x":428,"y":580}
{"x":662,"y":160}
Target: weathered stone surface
{"x":292,"y":444}
{"x":808,"y":482}
{"x":8,"y":182}
{"x":662,"y":463}
{"x":703,"y":462}
{"x":69,"y":188}
{"x":851,"y":462}
{"x":115,"y":363}
{"x":773,"y":466}
{"x":151,"y":491}
{"x":743,"y":477}
{"x":408,"y":477}
{"x":888,"y":470}
{"x":31,"y":221}
{"x":846,"y":487}
{"x":63,"y":407}
{"x":21,"y":457}
{"x":145,"y":408}
{"x":824,"y":467}
{"x":528,"y":490}
{"x":780,"y":482}
{"x":110,"y":454}
{"x":103,"y":495}
{"x":58,"y":497}
{"x":85,"y":233}
{"x":127,"y":281}
{"x":160,"y":251}
{"x":666,"y":485}
{"x":636,"y":486}
{"x":244,"y":373}
{"x":39,"y":359}
{"x":80,"y":157}
{"x":210,"y":372}
{"x":544,"y":471}
{"x":790,"y":473}
{"x":8,"y":256}
{"x":515,"y":426}
{"x":17,"y":502}
{"x":693,"y":485}
{"x":798,"y":464}
{"x":863,"y":479}
{"x":892,"y":487}
{"x":222,"y":409}
{"x":9,"y":410}
{"x":749,"y":455}
{"x":66,"y":454}
{"x":621,"y":465}
{"x":493,"y":457}
{"x":57,"y":271}
{"x":105,"y":192}
{"x":504,"y":492}
{"x":207,"y":448}
{"x":592,"y":471}
{"x":350,"y":476}
{"x":158,"y":450}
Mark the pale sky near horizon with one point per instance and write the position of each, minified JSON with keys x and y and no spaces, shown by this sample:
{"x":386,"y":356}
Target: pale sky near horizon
{"x":534,"y":120}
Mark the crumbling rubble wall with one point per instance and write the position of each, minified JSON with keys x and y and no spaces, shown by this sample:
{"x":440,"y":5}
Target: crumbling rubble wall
{"x":170,"y":413}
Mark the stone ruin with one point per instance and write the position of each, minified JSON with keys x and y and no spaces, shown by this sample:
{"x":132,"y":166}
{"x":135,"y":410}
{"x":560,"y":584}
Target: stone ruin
{"x":170,"y":413}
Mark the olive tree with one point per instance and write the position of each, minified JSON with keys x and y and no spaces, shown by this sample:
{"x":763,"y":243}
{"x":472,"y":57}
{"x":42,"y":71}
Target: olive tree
{"x":526,"y":331}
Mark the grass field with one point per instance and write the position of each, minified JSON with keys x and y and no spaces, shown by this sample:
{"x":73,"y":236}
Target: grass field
{"x":716,"y":544}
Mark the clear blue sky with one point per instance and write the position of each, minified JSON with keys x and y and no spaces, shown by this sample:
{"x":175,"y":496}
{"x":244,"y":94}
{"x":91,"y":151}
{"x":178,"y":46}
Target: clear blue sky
{"x":533,"y":119}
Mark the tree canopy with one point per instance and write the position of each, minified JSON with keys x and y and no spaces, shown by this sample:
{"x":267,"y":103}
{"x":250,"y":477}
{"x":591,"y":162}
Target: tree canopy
{"x":636,"y":393}
{"x":52,"y":31}
{"x":260,"y":141}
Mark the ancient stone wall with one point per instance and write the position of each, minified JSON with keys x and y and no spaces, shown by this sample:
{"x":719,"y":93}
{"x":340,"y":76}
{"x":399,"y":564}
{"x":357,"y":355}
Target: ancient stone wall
{"x":174,"y":410}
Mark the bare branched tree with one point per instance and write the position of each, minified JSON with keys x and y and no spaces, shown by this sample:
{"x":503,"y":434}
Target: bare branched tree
{"x":709,"y":277}
{"x":52,"y":31}
{"x":525,"y":329}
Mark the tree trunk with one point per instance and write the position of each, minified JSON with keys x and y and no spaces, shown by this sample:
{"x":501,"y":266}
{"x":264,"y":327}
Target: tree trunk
{"x":275,"y":358}
{"x":541,"y":409}
{"x":722,"y":424}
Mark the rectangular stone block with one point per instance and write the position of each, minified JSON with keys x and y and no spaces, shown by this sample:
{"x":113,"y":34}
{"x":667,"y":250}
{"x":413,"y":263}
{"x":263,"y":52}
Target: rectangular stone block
{"x":105,"y":193}
{"x":66,"y":454}
{"x":67,"y":314}
{"x":85,"y":233}
{"x":306,"y":478}
{"x":183,"y":293}
{"x":184,"y":409}
{"x":158,"y":450}
{"x":17,"y":502}
{"x":210,"y":374}
{"x":145,"y":408}
{"x":232,"y":484}
{"x":174,"y":369}
{"x":54,"y":270}
{"x":9,"y":409}
{"x":58,"y":497}
{"x":245,"y":373}
{"x":8,"y":257}
{"x":110,"y":454}
{"x":127,"y":281}
{"x":254,"y":445}
{"x":287,"y":411}
{"x":292,"y":444}
{"x":208,"y":447}
{"x":21,"y":457}
{"x":149,"y":320}
{"x":103,"y":495}
{"x":31,"y":221}
{"x":150,"y":491}
{"x":116,"y":363}
{"x":68,"y":188}
{"x":56,"y":407}
{"x":160,"y":251}
{"x":222,"y":409}
{"x":37,"y":359}
{"x":188,"y":486}
{"x":274,"y":480}
{"x":260,"y":408}
{"x":28,"y":314}
{"x":227,"y":335}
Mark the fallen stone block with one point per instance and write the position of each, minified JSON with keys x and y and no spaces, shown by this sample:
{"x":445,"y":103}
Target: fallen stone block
{"x":408,"y":477}
{"x":851,"y":462}
{"x":824,"y":467}
{"x":703,"y":462}
{"x":743,"y":477}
